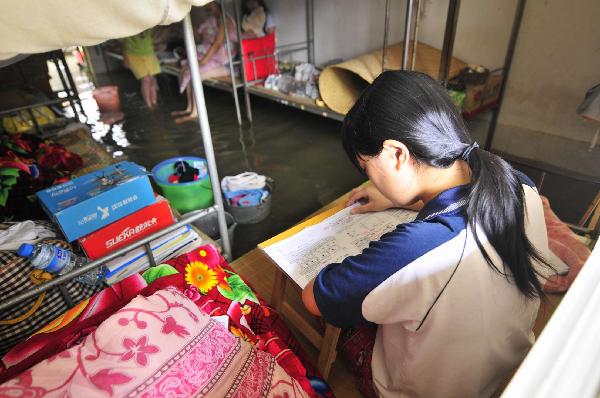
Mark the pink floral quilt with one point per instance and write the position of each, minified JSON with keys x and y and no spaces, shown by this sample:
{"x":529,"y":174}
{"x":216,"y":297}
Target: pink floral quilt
{"x":157,"y":346}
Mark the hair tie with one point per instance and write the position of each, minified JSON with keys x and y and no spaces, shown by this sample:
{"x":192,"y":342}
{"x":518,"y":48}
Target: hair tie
{"x":467,"y":152}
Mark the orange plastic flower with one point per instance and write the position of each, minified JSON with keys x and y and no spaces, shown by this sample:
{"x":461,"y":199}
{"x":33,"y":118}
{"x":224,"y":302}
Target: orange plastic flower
{"x":222,"y":278}
{"x":198,"y":274}
{"x":239,"y":333}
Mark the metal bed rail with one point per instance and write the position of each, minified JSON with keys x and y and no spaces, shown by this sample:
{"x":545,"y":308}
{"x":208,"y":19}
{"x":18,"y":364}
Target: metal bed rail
{"x":196,"y":82}
{"x":145,"y":242}
{"x":69,"y":88}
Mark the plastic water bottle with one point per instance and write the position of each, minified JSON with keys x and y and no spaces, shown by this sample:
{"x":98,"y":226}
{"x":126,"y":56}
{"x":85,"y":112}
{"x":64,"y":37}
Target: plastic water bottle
{"x":59,"y":261}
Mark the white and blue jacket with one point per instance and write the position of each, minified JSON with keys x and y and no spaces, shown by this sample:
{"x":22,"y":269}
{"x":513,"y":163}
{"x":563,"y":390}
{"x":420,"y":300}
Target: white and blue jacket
{"x":449,"y":325}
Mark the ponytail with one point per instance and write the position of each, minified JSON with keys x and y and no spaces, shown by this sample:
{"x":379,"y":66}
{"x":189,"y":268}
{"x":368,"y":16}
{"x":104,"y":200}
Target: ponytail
{"x":497,"y":205}
{"x":414,"y":109}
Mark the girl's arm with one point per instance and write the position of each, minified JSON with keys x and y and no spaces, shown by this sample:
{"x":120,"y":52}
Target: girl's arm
{"x":308,"y":298}
{"x":216,"y":45}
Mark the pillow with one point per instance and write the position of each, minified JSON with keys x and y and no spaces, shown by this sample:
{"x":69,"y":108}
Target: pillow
{"x":162,"y":345}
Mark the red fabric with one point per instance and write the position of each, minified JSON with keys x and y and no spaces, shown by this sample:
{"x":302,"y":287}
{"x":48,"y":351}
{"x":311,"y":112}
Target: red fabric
{"x":253,"y":48}
{"x":267,"y":329}
{"x":56,"y":157}
{"x":357,"y":345}
{"x":53,"y":162}
{"x":566,"y":245}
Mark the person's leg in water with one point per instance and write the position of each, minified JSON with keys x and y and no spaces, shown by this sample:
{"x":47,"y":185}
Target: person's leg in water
{"x":185,"y":78}
{"x":192,"y":114}
{"x":149,"y":91}
{"x":206,"y":72}
{"x":154,"y":91}
{"x":189,"y":106}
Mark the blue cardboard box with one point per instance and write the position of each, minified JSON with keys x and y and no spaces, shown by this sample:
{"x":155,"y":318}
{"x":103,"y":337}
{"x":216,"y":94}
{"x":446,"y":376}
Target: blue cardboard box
{"x":90,"y":202}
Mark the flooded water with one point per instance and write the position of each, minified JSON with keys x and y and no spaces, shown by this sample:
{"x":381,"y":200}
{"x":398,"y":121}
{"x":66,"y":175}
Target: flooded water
{"x":300,"y":151}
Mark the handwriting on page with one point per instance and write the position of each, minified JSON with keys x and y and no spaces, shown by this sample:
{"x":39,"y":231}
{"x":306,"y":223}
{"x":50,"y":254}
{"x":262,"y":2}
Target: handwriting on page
{"x":304,"y":254}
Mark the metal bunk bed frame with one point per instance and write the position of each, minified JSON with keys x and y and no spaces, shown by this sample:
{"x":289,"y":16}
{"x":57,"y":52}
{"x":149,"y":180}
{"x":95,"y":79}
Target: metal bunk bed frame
{"x":69,"y":87}
{"x":209,"y":150}
{"x":250,"y":87}
{"x":196,"y":81}
{"x":410,"y":29}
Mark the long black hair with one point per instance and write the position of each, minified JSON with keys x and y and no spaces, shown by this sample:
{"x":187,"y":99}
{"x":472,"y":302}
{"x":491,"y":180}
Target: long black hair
{"x":414,"y":109}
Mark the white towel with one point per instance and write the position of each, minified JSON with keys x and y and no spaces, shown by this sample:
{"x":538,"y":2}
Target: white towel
{"x":23,"y":232}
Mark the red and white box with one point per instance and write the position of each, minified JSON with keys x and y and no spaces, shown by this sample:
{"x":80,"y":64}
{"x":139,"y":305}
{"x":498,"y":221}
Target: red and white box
{"x":129,"y":229}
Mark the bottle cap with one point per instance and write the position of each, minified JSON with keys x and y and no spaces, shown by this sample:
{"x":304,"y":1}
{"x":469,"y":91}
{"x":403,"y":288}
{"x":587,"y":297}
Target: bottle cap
{"x":25,"y":250}
{"x":54,"y":266}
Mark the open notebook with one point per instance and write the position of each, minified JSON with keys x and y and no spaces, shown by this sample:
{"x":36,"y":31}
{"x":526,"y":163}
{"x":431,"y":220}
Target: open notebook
{"x":302,"y":251}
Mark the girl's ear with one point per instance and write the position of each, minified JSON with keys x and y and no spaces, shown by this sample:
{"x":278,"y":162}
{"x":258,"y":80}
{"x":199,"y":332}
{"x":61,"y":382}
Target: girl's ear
{"x":399,"y":151}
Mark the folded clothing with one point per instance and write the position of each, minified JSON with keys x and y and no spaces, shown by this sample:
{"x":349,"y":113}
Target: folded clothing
{"x":244,"y":181}
{"x":245,"y":198}
{"x":246,"y":189}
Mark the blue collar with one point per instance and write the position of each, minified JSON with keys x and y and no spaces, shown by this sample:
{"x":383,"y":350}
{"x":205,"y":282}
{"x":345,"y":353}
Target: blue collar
{"x":449,"y":201}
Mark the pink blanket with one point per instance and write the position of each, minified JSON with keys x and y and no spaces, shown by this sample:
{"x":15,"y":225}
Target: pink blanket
{"x":162,"y":345}
{"x":563,"y":242}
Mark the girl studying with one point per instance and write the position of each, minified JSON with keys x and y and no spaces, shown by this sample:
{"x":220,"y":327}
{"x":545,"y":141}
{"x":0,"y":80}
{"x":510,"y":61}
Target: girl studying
{"x":451,"y":298}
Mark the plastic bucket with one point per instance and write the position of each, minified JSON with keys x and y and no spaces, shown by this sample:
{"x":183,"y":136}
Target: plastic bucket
{"x":251,"y":214}
{"x":107,"y":98}
{"x":209,"y":224}
{"x":185,"y":196}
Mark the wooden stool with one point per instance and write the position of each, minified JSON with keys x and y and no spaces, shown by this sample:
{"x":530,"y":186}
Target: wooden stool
{"x":326,"y":343}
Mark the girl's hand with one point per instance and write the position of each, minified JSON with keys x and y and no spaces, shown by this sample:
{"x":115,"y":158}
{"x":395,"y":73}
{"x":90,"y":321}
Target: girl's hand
{"x":370,"y":199}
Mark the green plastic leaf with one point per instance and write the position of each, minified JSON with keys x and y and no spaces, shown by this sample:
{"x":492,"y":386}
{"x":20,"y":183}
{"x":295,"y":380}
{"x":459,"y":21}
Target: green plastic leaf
{"x":9,"y":181}
{"x":4,"y":195}
{"x":9,"y":171}
{"x":239,"y":292}
{"x":15,"y":148}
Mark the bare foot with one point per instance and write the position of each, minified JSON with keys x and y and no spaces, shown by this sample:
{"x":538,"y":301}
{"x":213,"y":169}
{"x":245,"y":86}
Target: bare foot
{"x":181,"y":113}
{"x":185,"y":119}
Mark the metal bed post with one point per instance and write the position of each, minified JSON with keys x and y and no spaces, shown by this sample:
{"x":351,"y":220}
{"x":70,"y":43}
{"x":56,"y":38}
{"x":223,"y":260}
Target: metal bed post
{"x":310,"y":30}
{"x":449,"y":35}
{"x":238,"y":23}
{"x":413,"y":63}
{"x":89,"y":65}
{"x":190,"y":47}
{"x":512,"y":42}
{"x":34,"y":120}
{"x":386,"y":27}
{"x":28,"y":109}
{"x":65,"y":87}
{"x":231,"y":71}
{"x":407,"y":24}
{"x":67,"y":71}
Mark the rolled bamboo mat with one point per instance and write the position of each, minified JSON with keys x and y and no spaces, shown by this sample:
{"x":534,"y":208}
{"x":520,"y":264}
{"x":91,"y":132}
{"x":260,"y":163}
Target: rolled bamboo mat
{"x":340,"y":85}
